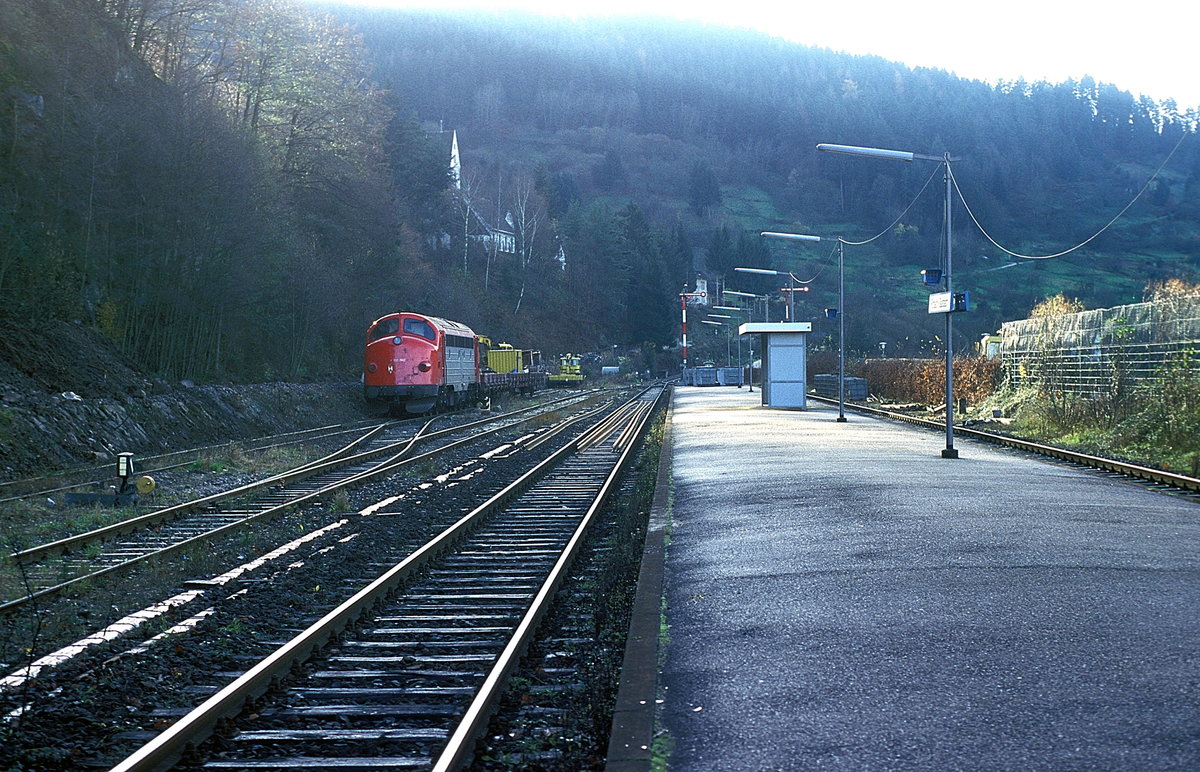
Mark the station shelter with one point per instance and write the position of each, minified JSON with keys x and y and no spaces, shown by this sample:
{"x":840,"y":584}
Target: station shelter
{"x":784,"y":347}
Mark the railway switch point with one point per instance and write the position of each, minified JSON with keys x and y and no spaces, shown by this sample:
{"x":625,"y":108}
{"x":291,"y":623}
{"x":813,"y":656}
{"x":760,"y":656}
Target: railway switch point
{"x":124,"y":494}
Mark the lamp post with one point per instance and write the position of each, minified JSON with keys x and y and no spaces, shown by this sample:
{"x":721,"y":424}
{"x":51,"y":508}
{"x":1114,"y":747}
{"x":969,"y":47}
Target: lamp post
{"x":791,"y":288}
{"x":840,"y":311}
{"x":751,"y":296}
{"x":755,"y":299}
{"x":719,"y":324}
{"x":741,"y":367}
{"x":900,"y":155}
{"x":727,"y":336}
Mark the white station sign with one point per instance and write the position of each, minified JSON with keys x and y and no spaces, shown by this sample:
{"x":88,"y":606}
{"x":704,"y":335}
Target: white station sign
{"x":948,"y":302}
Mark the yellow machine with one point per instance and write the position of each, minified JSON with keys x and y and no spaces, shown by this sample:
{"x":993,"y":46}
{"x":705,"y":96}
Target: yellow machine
{"x":503,"y":358}
{"x":570,"y":373}
{"x":989,"y":346}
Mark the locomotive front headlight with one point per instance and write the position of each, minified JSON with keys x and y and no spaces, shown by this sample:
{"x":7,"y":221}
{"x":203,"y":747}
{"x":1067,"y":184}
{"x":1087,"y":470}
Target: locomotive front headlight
{"x":425,"y":367}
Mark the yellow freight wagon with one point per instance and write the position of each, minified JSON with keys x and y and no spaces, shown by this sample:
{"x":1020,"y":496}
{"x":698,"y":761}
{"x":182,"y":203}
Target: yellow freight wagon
{"x":506,"y":359}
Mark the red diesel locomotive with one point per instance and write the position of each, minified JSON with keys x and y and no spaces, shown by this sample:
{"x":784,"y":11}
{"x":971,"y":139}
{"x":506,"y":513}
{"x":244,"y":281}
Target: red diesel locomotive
{"x":416,"y":363}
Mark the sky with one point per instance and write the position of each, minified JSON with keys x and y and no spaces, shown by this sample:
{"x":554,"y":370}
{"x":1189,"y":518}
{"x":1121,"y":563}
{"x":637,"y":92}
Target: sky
{"x":1053,"y":40}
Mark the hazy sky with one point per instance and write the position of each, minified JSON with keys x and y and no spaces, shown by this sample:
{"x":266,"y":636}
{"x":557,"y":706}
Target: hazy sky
{"x":1151,"y":53}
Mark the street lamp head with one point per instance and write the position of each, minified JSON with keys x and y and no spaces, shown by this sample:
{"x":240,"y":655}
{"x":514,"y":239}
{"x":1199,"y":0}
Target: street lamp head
{"x":741,"y":294}
{"x":877,"y":152}
{"x":763,"y":271}
{"x":868,"y":152}
{"x":789,"y":236}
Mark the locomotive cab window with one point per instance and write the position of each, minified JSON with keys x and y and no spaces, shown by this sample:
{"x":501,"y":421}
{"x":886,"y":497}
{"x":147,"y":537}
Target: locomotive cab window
{"x":385,"y":328}
{"x":420,"y":327}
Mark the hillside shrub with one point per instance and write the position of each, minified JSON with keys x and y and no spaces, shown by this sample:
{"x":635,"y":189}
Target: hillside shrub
{"x":924,"y":380}
{"x":1163,"y":422}
{"x":821,"y":362}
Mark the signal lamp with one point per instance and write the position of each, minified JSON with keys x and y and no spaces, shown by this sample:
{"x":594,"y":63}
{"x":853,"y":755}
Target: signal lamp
{"x":124,"y":465}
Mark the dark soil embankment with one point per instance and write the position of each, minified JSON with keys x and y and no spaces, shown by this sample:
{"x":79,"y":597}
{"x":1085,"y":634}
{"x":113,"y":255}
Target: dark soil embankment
{"x":68,"y":397}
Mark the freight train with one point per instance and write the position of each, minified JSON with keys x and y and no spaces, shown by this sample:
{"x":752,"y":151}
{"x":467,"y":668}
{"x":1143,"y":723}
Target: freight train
{"x":415,"y":363}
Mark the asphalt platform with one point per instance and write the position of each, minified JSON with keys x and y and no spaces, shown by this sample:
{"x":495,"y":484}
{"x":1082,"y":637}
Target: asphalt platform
{"x":837,"y":596}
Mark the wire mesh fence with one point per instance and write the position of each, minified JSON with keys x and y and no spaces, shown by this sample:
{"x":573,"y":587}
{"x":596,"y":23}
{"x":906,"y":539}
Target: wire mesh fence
{"x":1102,"y":352}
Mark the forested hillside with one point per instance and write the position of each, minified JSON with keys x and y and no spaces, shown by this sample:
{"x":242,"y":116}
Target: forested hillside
{"x":206,"y":182}
{"x":234,"y":189}
{"x":712,"y":132}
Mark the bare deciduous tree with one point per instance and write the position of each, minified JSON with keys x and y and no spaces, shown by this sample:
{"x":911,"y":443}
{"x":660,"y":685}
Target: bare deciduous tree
{"x":529,"y":210}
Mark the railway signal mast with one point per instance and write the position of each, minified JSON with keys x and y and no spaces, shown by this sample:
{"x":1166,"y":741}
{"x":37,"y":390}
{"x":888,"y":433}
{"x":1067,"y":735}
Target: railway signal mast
{"x":683,"y":301}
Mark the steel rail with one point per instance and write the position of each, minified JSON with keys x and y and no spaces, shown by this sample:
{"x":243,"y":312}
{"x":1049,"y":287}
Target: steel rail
{"x":168,"y":747}
{"x":386,"y":467}
{"x":461,"y":744}
{"x":555,"y":431}
{"x":40,"y":552}
{"x":166,"y":461}
{"x":605,"y":427}
{"x":66,"y":544}
{"x":1125,"y":468}
{"x":345,"y":449}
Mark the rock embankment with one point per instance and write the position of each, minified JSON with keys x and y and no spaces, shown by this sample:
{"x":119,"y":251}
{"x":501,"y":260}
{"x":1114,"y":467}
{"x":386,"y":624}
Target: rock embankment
{"x":68,"y":398}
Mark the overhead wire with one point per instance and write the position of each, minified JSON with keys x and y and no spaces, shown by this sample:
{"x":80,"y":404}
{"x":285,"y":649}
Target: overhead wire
{"x":814,"y":277}
{"x":895,"y":222}
{"x":810,"y":280}
{"x":979,"y":225}
{"x":879,"y":235}
{"x":824,"y":266}
{"x":1081,"y":244}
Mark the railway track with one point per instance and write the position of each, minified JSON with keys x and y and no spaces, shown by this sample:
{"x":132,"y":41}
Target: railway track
{"x":51,"y":568}
{"x":423,"y":651}
{"x":100,"y":474}
{"x":1155,"y":477}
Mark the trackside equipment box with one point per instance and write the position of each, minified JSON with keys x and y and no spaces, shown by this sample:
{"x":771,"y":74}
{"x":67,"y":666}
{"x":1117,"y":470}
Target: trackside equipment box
{"x":827,"y":386}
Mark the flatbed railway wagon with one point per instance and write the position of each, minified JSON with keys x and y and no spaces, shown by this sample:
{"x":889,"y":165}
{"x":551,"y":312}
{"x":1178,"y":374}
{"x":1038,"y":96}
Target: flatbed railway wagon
{"x":509,"y":369}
